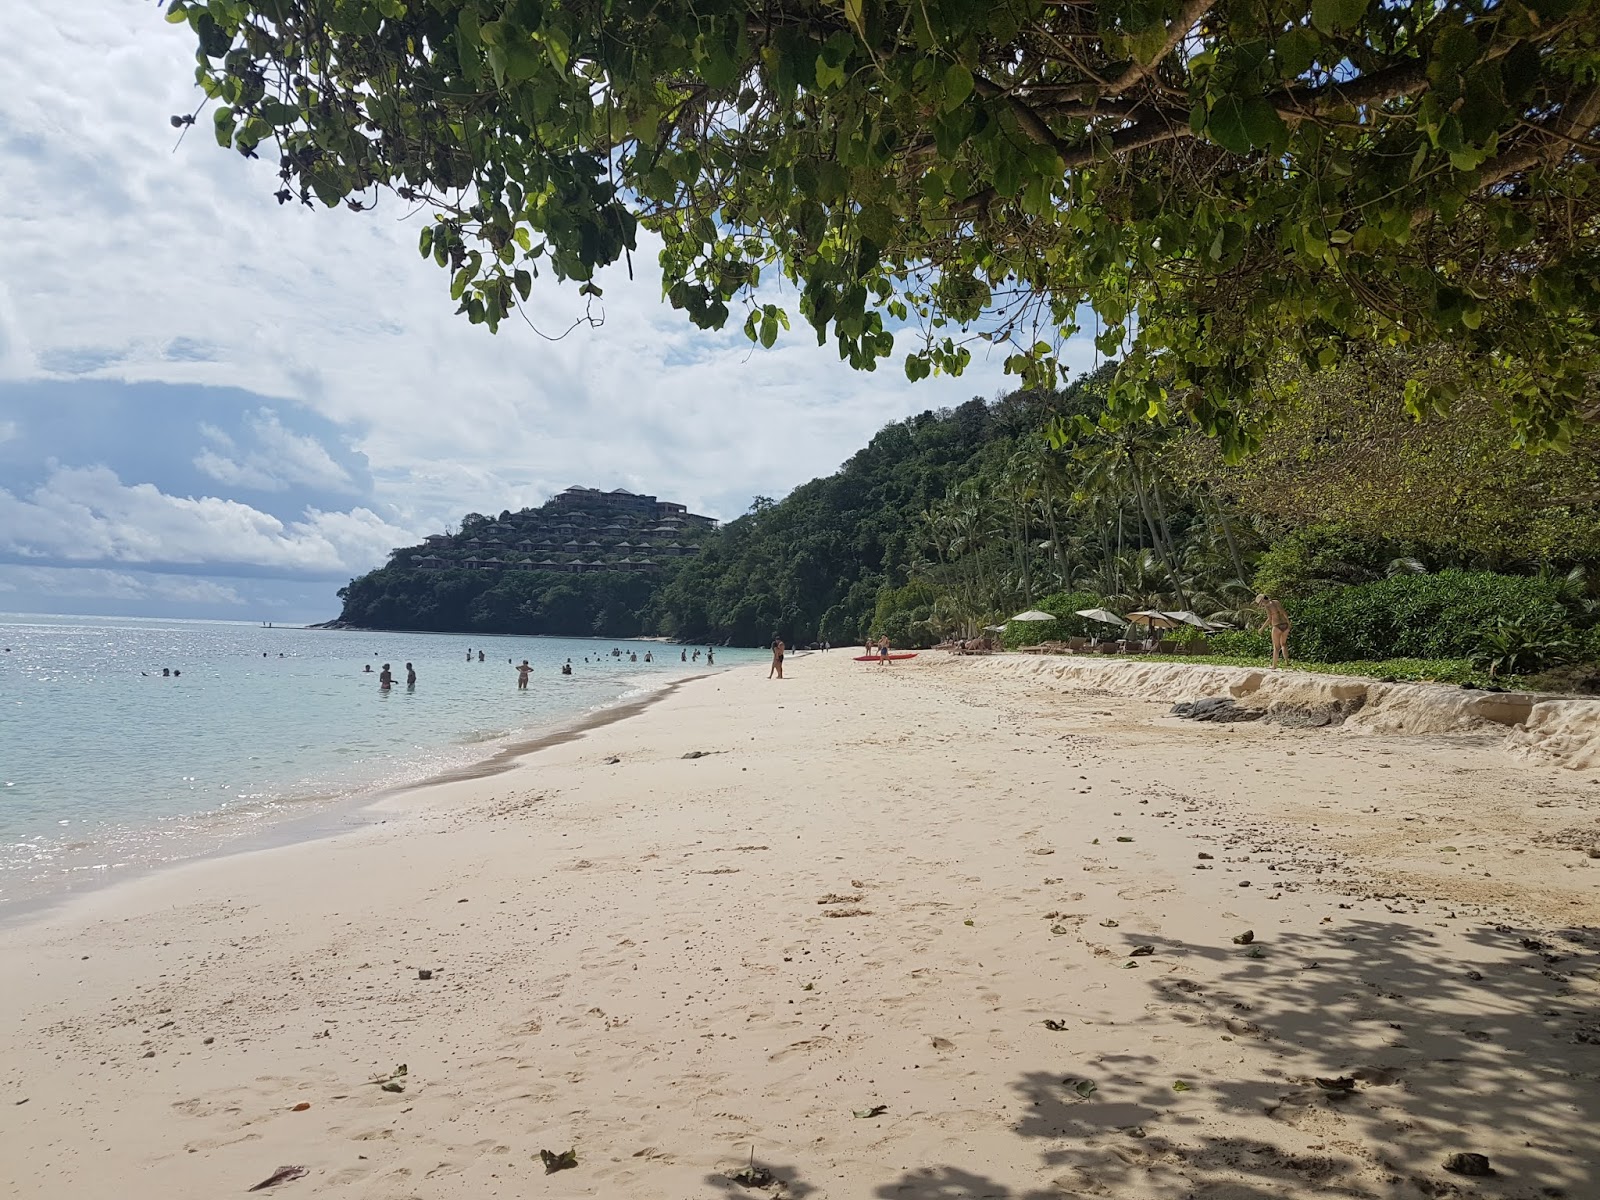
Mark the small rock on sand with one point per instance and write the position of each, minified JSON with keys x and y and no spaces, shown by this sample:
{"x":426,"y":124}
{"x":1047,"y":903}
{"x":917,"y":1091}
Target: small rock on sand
{"x":1468,"y":1164}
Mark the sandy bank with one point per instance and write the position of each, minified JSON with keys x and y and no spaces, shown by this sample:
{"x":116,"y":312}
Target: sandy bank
{"x":881,"y":935}
{"x":1564,"y":731}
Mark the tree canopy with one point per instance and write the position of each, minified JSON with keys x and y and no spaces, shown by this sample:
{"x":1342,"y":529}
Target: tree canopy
{"x":1221,"y":181}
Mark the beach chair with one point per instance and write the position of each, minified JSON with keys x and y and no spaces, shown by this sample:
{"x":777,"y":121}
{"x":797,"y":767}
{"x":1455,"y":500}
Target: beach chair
{"x":1075,"y":645}
{"x":1199,"y":647}
{"x":1166,"y":647}
{"x":1108,"y":647}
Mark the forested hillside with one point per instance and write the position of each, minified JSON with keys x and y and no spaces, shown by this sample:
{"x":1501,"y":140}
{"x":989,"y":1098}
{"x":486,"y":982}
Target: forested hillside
{"x":1389,"y":534}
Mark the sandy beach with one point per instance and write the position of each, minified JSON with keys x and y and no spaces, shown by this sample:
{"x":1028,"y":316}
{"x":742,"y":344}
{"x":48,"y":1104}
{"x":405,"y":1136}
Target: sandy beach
{"x":934,"y":931}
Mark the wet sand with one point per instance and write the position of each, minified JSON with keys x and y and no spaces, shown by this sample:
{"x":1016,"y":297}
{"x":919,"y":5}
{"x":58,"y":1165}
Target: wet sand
{"x":880,"y":937}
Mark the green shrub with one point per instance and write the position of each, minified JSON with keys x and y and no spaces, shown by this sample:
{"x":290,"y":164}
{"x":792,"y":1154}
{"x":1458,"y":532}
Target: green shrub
{"x":1066,"y":625}
{"x":1520,"y":646}
{"x":1318,"y":557}
{"x":1448,"y":615}
{"x":1242,"y":643}
{"x":905,"y":614}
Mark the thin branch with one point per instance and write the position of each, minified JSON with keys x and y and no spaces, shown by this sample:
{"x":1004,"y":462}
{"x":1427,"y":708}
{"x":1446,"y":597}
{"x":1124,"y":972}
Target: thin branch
{"x":1188,"y":17}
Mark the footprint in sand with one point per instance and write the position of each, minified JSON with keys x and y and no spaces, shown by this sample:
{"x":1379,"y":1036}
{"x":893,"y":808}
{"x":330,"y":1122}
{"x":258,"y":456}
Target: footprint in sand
{"x":802,"y":1047}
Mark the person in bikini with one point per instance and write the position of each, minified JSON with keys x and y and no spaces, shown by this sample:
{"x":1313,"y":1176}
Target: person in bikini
{"x":1278,"y":625}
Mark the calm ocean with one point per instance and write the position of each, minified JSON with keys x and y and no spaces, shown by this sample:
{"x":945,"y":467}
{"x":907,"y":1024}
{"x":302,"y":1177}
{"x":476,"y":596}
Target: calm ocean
{"x":107,"y":767}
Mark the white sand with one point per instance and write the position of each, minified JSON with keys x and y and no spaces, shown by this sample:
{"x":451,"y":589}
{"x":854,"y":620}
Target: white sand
{"x":633,"y":960}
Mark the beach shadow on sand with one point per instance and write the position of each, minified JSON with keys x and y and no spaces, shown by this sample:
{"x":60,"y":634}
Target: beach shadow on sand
{"x":1491,"y":1046}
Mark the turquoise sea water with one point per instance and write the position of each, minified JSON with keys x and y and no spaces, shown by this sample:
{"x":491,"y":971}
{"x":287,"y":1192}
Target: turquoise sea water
{"x":107,"y":767}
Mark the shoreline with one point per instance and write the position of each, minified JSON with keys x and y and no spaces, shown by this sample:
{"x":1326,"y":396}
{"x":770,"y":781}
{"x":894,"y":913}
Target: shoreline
{"x":928,"y":932}
{"x":314,"y":817}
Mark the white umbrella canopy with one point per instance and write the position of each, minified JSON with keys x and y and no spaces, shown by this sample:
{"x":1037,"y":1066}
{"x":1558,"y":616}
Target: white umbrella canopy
{"x":1188,"y":618}
{"x":1100,"y":614}
{"x":1033,"y":614}
{"x":994,"y":628}
{"x":1152,"y":618}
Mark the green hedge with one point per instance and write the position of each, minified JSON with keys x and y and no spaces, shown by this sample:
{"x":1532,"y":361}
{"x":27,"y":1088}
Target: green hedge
{"x":1446,"y":615}
{"x":1066,"y":625}
{"x":1241,"y":643}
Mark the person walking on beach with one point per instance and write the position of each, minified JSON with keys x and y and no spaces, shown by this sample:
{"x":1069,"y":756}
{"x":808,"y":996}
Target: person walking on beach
{"x":777,"y":658}
{"x":385,"y":679}
{"x":1278,"y":625}
{"x":411,"y":677}
{"x":883,"y":650}
{"x":523,"y":672}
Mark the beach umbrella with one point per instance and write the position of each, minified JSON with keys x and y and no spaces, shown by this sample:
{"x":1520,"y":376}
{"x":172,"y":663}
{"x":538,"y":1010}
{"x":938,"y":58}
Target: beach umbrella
{"x":1188,"y":618}
{"x":1100,"y":614}
{"x":1151,"y":618}
{"x":1033,"y":614}
{"x":994,"y":628}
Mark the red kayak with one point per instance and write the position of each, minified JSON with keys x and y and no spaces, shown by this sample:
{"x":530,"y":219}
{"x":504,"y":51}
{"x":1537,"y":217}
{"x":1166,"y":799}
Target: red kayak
{"x":880,"y":657}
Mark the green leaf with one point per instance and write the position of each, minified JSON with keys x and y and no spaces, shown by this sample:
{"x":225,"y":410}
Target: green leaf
{"x":769,"y":331}
{"x":1297,"y":50}
{"x":1226,"y":125}
{"x":222,"y":124}
{"x":957,"y":86}
{"x":1333,"y":16}
{"x":1085,"y":1088}
{"x":1263,"y":125}
{"x":1181,"y":1086}
{"x":854,"y":14}
{"x":877,"y":1110}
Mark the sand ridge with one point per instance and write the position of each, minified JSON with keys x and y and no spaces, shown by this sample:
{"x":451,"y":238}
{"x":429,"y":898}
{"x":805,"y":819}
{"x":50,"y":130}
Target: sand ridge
{"x":911,"y":892}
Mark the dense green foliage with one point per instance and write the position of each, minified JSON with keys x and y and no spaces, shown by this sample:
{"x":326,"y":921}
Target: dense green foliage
{"x":1222,"y":181}
{"x":602,"y":604}
{"x":1451,"y":614}
{"x":811,"y":566}
{"x":1340,"y":452}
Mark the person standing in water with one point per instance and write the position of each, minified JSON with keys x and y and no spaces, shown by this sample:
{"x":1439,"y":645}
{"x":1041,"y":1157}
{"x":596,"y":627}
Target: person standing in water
{"x":777,"y":659}
{"x":710,"y":657}
{"x":411,"y":677}
{"x":480,"y":655}
{"x":469,"y":653}
{"x":1277,"y":624}
{"x":683,"y":655}
{"x":523,"y":672}
{"x":385,"y":679}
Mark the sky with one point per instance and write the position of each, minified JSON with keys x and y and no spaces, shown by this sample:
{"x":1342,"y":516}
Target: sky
{"x":214,"y":406}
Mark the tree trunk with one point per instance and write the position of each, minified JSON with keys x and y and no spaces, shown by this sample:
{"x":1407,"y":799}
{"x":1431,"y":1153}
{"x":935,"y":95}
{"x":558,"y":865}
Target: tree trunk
{"x":1155,"y":536}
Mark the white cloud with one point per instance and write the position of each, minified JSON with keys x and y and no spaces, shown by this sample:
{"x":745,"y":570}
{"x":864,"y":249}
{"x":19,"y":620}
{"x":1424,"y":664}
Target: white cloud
{"x":9,"y":430}
{"x":281,"y":458}
{"x":98,"y":584}
{"x":336,"y":311}
{"x":87,"y":514}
